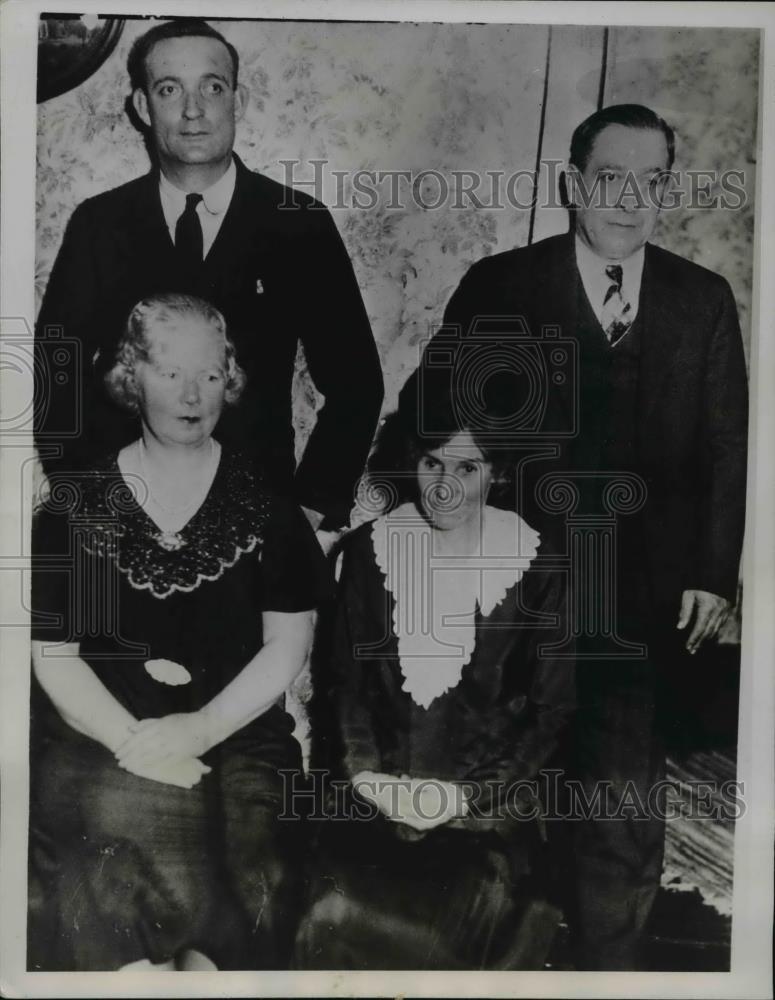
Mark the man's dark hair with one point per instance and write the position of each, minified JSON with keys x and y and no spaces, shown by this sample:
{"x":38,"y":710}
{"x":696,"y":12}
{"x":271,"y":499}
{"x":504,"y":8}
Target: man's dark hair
{"x":629,"y":115}
{"x":182,"y":27}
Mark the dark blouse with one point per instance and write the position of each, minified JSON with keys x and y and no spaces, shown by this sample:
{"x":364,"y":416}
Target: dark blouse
{"x":498,"y":726}
{"x":103,"y":579}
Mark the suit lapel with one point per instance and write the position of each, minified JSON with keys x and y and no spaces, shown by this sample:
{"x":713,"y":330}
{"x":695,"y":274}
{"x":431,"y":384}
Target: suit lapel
{"x":239,"y":230}
{"x":144,"y":235}
{"x":665,"y":315}
{"x":557,"y":281}
{"x":233,"y":227}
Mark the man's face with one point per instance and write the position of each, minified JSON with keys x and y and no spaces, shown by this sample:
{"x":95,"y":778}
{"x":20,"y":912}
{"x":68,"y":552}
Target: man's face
{"x":623,"y":180}
{"x":190,"y":103}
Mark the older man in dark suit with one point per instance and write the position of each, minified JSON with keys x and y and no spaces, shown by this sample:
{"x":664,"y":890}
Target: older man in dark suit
{"x":271,"y":259}
{"x":657,"y":401}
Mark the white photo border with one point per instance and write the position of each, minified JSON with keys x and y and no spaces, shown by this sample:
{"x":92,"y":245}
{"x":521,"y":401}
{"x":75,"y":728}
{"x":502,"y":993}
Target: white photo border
{"x":751,"y":974}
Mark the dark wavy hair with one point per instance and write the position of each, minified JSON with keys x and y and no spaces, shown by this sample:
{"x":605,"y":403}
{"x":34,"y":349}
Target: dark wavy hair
{"x":179,"y":27}
{"x":408,"y":433}
{"x":629,"y":115}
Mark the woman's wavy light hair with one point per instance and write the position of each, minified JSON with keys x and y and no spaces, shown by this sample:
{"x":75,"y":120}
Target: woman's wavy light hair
{"x":134,"y":345}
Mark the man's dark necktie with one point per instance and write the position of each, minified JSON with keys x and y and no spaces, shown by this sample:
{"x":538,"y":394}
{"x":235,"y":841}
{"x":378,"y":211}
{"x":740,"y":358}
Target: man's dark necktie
{"x":616,"y":318}
{"x":188,"y":234}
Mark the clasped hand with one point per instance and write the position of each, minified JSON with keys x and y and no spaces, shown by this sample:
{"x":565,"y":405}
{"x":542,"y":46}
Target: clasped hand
{"x":421,"y":803}
{"x":166,"y":749}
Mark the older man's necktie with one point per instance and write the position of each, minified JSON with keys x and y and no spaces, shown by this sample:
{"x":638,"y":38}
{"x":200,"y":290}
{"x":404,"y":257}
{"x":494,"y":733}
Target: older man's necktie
{"x":188,"y":234}
{"x":616,"y":318}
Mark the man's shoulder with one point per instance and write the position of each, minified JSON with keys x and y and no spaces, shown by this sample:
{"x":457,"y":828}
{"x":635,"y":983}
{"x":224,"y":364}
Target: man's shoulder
{"x":281,"y":211}
{"x":680,"y":271}
{"x":115,"y":199}
{"x":542,"y":250}
{"x":555,"y":250}
{"x":521,"y":261}
{"x":272,"y":193}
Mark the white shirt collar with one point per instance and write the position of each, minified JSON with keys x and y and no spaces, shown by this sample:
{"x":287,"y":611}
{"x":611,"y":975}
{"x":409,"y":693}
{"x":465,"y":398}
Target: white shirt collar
{"x":216,"y":198}
{"x":596,"y":282}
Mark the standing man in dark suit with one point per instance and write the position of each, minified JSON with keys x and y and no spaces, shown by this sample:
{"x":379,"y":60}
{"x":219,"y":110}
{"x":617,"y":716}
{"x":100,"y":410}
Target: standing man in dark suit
{"x":659,"y":398}
{"x":271,"y":259}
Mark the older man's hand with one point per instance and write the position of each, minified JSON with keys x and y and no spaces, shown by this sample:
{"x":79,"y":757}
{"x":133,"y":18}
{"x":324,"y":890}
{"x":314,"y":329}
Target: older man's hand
{"x":706,"y":612}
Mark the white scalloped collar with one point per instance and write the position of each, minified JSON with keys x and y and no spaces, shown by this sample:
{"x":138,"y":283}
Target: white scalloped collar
{"x":436,"y":596}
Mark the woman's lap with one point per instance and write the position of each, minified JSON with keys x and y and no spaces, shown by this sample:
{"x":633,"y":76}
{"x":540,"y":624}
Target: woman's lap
{"x":142,"y":869}
{"x":262,"y":851}
{"x":380,"y":902}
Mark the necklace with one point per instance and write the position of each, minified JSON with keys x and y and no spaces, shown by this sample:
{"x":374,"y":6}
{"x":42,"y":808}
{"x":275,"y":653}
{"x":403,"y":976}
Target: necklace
{"x":169,"y":539}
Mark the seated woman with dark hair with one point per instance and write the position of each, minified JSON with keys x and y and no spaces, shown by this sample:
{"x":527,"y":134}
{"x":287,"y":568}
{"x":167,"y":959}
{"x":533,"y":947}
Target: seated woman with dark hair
{"x":449,"y":693}
{"x":162,"y":653}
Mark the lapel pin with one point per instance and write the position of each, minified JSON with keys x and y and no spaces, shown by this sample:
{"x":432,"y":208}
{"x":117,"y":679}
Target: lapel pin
{"x":259,"y":288}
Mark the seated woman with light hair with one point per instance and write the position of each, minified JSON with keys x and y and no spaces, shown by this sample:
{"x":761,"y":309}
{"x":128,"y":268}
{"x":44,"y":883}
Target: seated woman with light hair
{"x":162,"y":653}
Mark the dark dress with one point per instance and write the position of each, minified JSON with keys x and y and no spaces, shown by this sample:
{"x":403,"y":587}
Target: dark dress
{"x":130,"y":868}
{"x":385,"y":896}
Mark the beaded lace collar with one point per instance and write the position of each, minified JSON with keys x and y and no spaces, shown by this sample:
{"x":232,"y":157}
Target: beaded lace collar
{"x":435,"y":597}
{"x":228,"y":524}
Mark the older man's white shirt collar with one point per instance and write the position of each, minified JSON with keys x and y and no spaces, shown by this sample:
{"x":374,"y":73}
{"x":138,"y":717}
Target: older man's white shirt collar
{"x":596,"y":282}
{"x":212,"y":209}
